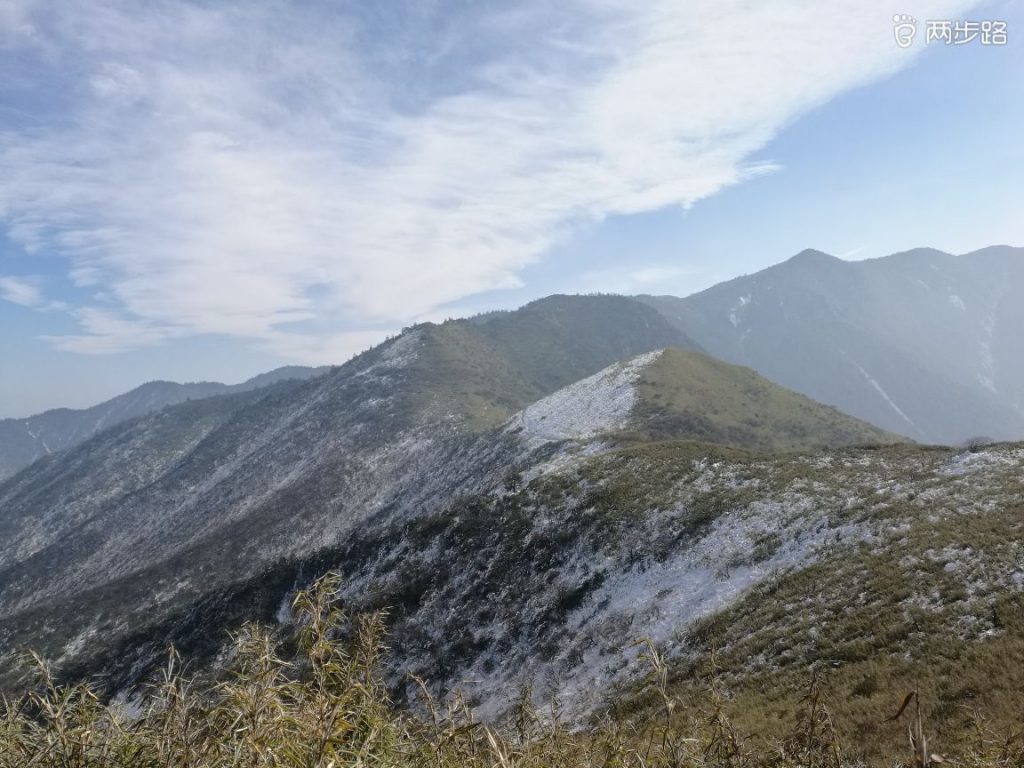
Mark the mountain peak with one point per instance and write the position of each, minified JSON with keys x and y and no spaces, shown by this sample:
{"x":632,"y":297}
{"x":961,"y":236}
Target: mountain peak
{"x":812,"y":256}
{"x":916,"y":256}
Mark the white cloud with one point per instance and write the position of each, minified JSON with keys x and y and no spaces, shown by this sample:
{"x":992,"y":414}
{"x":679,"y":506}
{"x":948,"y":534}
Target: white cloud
{"x":260,"y":170}
{"x":15,"y":26}
{"x":19,"y":290}
{"x":106,"y":332}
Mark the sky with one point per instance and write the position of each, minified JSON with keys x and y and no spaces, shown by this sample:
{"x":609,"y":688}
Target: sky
{"x":207,"y":190}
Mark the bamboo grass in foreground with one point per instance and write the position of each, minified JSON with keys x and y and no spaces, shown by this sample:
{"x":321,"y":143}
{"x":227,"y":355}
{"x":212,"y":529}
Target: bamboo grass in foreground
{"x":327,"y":707}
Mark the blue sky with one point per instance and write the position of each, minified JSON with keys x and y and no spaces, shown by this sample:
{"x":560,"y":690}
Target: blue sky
{"x":198,"y":190}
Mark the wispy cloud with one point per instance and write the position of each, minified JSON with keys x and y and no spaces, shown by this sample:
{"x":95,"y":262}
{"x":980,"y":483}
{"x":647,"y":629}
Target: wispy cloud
{"x":282,"y":173}
{"x":19,"y":290}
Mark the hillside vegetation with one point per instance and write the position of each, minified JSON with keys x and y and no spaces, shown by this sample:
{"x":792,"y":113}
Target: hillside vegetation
{"x":325,"y":705}
{"x":693,"y":396}
{"x":515,"y":500}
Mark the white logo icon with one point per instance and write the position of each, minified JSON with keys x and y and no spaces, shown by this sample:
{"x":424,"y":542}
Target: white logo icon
{"x":905,"y":28}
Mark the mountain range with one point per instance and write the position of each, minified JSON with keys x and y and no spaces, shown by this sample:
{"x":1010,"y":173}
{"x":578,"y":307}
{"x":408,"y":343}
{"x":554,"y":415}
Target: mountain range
{"x":922,"y":343}
{"x":525,"y":493}
{"x":194,"y":497}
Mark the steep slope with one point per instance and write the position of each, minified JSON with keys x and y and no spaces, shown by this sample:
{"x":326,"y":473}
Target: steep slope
{"x":22,"y":441}
{"x":176,"y":505}
{"x":673,"y":394}
{"x":862,"y":564}
{"x":154,"y":516}
{"x":921,"y":343}
{"x":688,"y":395}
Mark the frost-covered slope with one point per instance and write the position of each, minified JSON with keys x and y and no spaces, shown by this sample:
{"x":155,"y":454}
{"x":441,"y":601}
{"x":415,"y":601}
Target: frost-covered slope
{"x":118,"y":535}
{"x":157,"y":514}
{"x":599,"y":403}
{"x":550,"y":584}
{"x":689,"y":395}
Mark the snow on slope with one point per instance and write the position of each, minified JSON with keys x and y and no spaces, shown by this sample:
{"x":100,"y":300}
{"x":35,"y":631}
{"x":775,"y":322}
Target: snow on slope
{"x":885,"y":396}
{"x":596,"y":404}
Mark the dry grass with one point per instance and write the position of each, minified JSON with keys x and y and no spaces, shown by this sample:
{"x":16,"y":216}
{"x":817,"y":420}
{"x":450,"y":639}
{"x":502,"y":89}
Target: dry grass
{"x":325,"y":706}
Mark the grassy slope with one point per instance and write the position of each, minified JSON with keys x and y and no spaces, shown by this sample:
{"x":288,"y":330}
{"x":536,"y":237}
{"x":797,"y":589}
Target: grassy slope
{"x":918,"y":585}
{"x":932,"y":601}
{"x":929,"y":600}
{"x":481,"y":371}
{"x":879,"y":645}
{"x":458,"y":374}
{"x":692,"y":395}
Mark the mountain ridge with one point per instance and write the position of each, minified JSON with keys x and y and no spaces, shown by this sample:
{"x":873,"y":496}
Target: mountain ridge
{"x":205,"y":493}
{"x":897,"y":374}
{"x":24,"y":440}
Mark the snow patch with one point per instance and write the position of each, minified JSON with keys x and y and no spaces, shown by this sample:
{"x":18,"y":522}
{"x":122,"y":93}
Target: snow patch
{"x":885,"y":396}
{"x":987,"y":375}
{"x":596,"y":404}
{"x":969,"y":463}
{"x":735,"y":310}
{"x":663,"y":600}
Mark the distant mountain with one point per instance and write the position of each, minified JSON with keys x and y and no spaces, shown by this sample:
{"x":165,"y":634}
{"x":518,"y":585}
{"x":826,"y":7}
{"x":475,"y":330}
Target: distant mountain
{"x":921,"y":343}
{"x":22,"y":441}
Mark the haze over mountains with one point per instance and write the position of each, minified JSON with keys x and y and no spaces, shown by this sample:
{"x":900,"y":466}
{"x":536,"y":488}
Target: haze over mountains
{"x":529,"y":491}
{"x":22,"y":441}
{"x":922,"y":343}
